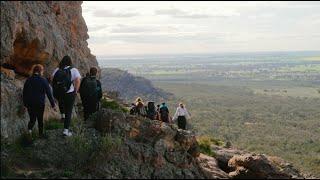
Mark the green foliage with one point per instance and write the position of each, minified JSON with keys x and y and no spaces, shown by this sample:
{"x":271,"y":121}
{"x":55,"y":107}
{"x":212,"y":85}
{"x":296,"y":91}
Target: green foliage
{"x":53,"y":124}
{"x":205,"y":144}
{"x":79,"y":143}
{"x":282,"y":126}
{"x":109,"y":144}
{"x":68,"y":173}
{"x":111,"y":104}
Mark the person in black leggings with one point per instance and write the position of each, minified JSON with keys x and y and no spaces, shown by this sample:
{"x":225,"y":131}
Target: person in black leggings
{"x":66,"y":101}
{"x":34,"y":91}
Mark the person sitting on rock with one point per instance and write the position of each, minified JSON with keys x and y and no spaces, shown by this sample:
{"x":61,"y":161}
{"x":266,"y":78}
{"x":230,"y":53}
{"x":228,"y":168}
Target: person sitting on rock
{"x":164,"y":113}
{"x":65,"y":84}
{"x":90,"y":93}
{"x":140,"y":109}
{"x":181,"y":115}
{"x":34,"y":91}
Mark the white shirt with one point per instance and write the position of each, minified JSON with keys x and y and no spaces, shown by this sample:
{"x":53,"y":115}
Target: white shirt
{"x":74,"y":75}
{"x":181,"y":112}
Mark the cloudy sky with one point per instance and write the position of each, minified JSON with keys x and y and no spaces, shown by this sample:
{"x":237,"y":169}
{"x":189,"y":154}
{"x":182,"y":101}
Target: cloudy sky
{"x":164,"y":27}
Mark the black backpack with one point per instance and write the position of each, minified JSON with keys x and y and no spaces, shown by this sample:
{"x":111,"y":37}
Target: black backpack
{"x":164,"y":113}
{"x":151,"y":110}
{"x":61,"y":82}
{"x":89,"y":88}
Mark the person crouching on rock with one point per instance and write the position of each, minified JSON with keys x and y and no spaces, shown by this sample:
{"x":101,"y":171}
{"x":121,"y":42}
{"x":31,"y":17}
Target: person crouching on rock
{"x":34,"y":91}
{"x":90,"y":93}
{"x":65,"y":85}
{"x":182,"y":115}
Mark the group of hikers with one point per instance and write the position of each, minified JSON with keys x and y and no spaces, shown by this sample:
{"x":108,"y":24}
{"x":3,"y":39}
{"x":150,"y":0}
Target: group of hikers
{"x":161,"y":112}
{"x":66,"y":83}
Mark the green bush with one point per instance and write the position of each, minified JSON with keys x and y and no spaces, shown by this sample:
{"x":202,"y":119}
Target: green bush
{"x":79,"y":143}
{"x":205,"y":143}
{"x":109,"y":144}
{"x":110,"y":104}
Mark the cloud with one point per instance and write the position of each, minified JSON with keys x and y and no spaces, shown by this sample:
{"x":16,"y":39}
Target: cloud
{"x":94,"y":28}
{"x":177,"y":13}
{"x":108,"y":13}
{"x":180,"y":14}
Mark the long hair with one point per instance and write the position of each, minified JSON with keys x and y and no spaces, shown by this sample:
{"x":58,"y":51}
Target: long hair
{"x":66,"y":61}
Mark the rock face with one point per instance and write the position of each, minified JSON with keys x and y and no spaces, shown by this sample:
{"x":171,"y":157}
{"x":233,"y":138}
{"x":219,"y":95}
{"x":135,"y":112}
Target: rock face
{"x":123,"y":146}
{"x":37,"y":32}
{"x":242,"y":164}
{"x":114,"y":144}
{"x":131,"y":87}
{"x":257,"y":166}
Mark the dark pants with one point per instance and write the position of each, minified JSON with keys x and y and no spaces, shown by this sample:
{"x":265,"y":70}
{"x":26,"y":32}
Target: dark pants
{"x":61,"y":105}
{"x":66,"y":106}
{"x":89,"y":107}
{"x":36,"y":113}
{"x":182,"y":122}
{"x":164,"y":117}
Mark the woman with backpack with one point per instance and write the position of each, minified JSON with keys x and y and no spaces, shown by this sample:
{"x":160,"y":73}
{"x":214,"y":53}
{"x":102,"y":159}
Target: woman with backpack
{"x":65,"y":84}
{"x":34,"y":90}
{"x":181,"y":115}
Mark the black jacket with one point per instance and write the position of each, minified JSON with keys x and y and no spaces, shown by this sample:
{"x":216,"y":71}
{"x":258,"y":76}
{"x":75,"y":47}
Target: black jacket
{"x":34,"y":91}
{"x":99,"y":89}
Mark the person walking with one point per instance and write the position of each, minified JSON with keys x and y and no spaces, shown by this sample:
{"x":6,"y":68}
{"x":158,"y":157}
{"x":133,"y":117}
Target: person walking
{"x":140,"y":107}
{"x":181,"y":115}
{"x":34,"y":91}
{"x":65,"y":84}
{"x":164,"y":113}
{"x":90,"y":93}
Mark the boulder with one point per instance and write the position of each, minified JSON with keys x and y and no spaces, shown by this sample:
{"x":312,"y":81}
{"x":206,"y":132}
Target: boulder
{"x":255,"y":166}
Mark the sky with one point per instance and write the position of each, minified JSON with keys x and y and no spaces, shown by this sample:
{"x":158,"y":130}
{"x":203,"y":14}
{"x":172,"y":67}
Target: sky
{"x":177,"y":27}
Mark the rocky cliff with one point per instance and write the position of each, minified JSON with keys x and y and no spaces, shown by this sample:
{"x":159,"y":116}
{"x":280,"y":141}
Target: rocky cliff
{"x":113,"y":144}
{"x":37,"y":32}
{"x":130,"y":87}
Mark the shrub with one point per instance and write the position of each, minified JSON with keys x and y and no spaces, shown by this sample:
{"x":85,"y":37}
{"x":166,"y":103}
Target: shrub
{"x":205,"y":143}
{"x":80,"y":144}
{"x":109,"y":144}
{"x":110,"y":104}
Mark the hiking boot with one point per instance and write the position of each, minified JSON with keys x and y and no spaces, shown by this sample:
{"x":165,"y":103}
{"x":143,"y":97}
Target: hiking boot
{"x":66,"y":132}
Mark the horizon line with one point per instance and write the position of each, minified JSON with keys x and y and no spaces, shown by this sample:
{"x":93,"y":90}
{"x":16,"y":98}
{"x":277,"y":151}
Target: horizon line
{"x":207,"y":53}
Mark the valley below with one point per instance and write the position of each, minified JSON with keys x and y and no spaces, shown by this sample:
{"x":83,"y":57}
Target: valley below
{"x":261,"y":102}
